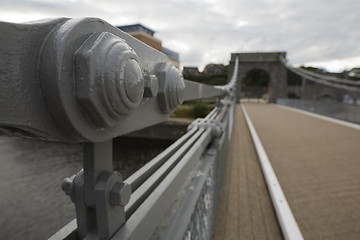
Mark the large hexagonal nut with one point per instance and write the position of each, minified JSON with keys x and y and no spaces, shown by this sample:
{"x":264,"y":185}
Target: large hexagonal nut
{"x":120,"y":194}
{"x":171,"y":89}
{"x":109,"y":79}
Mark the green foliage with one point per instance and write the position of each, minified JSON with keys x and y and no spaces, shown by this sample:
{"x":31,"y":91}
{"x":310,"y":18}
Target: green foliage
{"x":312,"y":69}
{"x":196,"y":109}
{"x":256,"y":78}
{"x":354,"y":74}
{"x":219,"y":78}
{"x":182,"y":112}
{"x":200,"y":110}
{"x":293,"y":79}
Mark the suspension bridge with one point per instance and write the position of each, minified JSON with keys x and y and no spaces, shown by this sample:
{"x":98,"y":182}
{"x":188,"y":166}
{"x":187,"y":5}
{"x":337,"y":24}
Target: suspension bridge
{"x":248,"y":170}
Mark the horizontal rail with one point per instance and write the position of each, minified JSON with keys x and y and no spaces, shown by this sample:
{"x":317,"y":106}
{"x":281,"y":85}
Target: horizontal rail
{"x":284,"y":214}
{"x":205,"y":189}
{"x":147,"y":215}
{"x":180,"y":223}
{"x":212,"y":114}
{"x":143,"y":191}
{"x":140,"y":176}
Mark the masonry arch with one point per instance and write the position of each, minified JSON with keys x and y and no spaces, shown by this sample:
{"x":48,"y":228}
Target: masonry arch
{"x":268,"y":62}
{"x":255,"y":83}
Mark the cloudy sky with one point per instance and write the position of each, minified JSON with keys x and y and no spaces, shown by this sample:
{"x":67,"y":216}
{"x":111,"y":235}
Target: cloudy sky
{"x":322,"y":33}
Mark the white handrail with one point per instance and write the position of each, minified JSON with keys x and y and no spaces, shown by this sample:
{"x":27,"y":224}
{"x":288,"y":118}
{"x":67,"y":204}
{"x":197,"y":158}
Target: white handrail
{"x":287,"y":221}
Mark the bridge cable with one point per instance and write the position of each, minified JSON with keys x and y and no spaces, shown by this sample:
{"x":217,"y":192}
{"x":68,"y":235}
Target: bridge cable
{"x":324,"y":80}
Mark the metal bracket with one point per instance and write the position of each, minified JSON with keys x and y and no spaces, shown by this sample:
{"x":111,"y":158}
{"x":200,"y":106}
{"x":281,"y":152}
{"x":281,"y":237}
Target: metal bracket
{"x":224,"y":102}
{"x":99,"y":193}
{"x":82,"y":80}
{"x":216,"y":127}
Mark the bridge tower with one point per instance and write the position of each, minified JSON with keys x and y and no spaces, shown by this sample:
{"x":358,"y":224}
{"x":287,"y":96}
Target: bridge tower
{"x":268,"y":62}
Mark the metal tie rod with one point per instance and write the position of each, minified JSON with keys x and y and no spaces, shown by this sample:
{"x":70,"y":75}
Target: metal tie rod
{"x":287,"y":221}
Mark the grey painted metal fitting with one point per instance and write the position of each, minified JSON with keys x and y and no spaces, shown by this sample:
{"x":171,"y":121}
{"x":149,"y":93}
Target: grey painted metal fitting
{"x":109,"y":80}
{"x":79,"y":80}
{"x":120,"y":194}
{"x":151,"y":86}
{"x":217,"y":128}
{"x":68,"y":186}
{"x":109,"y":217}
{"x":171,"y":87}
{"x":226,"y":102}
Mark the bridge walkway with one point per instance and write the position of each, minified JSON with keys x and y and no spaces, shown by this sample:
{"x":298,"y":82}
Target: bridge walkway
{"x":317,"y":163}
{"x":245,"y":209}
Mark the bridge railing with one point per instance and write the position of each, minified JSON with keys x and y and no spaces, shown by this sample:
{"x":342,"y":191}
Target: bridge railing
{"x":83,"y":80}
{"x":343,"y":94}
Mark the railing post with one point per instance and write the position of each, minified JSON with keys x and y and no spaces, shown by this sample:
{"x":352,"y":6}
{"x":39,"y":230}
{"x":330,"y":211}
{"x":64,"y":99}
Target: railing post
{"x":99,"y":194}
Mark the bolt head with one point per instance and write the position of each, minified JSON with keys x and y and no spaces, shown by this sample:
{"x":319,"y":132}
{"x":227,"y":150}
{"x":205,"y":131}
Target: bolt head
{"x":171,"y":89}
{"x":67,"y":185}
{"x":109,"y":81}
{"x":120,"y":194}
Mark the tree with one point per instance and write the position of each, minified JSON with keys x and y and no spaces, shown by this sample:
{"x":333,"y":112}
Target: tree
{"x":256,"y":78}
{"x":215,"y":74}
{"x":354,"y":74}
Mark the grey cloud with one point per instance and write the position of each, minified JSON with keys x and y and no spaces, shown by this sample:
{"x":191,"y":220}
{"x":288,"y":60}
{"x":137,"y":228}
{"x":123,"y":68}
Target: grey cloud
{"x":319,"y":30}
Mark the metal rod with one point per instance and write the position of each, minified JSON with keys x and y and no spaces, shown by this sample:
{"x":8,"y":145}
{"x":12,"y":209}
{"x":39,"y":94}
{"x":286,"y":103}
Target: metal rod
{"x":179,"y":224}
{"x":143,"y":191}
{"x":287,"y":221}
{"x":213,"y":113}
{"x":155,"y":206}
{"x":140,"y":176}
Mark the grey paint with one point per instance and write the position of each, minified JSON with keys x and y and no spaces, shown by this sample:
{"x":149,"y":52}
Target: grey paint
{"x":145,"y":219}
{"x":53,"y":89}
{"x":84,"y":80}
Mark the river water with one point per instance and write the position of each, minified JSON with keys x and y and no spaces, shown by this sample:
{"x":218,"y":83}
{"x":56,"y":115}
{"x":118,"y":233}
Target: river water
{"x":32,"y":204}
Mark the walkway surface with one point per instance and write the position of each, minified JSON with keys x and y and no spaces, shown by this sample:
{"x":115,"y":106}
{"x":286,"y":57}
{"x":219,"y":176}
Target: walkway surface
{"x":317,"y":163}
{"x":245,"y":209}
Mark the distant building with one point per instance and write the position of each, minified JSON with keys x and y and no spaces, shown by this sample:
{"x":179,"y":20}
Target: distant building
{"x":193,"y":71}
{"x":174,"y":56}
{"x":146,"y":35}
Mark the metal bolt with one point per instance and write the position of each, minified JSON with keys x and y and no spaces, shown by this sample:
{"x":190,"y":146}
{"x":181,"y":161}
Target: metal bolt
{"x":151,"y":86}
{"x":67,"y":185}
{"x":217,"y":131}
{"x":120,"y":194}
